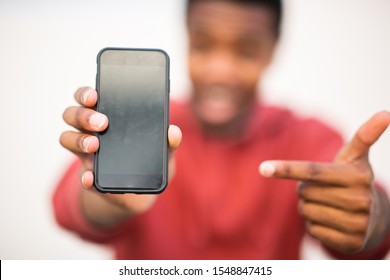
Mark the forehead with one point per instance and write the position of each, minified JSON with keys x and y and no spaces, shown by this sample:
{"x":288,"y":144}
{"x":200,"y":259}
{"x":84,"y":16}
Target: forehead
{"x":232,"y":19}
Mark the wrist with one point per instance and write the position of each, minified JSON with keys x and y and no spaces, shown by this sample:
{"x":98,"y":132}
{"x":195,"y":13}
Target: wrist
{"x":379,"y":223}
{"x":102,"y":212}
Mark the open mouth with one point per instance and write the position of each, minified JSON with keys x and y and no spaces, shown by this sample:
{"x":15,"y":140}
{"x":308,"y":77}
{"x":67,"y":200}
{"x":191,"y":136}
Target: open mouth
{"x":217,"y":103}
{"x":217,"y":98}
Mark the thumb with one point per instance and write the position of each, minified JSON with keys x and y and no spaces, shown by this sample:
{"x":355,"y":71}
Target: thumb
{"x":365,"y":137}
{"x":174,"y":136}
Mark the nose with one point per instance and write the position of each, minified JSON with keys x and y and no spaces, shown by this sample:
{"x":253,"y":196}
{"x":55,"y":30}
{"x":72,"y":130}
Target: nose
{"x":221,"y":68}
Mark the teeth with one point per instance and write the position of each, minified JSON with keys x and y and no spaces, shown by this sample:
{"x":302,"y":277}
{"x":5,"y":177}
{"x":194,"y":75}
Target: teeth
{"x":219,"y":93}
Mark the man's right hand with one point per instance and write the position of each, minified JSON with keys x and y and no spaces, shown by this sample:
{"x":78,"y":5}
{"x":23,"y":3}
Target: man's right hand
{"x":103,"y":209}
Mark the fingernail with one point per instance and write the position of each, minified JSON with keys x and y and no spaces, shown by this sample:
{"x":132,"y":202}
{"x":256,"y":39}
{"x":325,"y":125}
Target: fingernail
{"x":86,"y":142}
{"x":267,"y":169}
{"x":85,"y":96}
{"x":82,"y":180}
{"x":97,"y":120}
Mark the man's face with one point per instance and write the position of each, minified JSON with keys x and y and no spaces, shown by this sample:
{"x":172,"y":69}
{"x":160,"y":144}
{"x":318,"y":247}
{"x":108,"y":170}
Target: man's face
{"x":230,"y":45}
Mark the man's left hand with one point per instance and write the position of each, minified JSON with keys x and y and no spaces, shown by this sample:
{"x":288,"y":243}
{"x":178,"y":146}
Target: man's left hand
{"x":342,"y":207}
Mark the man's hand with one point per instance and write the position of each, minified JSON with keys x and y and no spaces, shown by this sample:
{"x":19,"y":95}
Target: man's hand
{"x":83,"y":143}
{"x":338,"y":200}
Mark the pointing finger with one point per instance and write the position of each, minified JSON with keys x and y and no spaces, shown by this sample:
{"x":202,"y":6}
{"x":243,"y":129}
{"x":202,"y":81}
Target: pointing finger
{"x":328,"y":173}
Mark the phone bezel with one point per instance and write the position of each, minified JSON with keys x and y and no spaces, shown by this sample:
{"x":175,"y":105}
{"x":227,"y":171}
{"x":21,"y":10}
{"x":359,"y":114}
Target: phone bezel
{"x":116,"y":189}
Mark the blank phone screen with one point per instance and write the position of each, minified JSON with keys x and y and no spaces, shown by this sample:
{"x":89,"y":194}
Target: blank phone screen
{"x":133,"y":95}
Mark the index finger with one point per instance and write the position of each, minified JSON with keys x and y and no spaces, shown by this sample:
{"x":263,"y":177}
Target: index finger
{"x":86,"y":96}
{"x":328,"y":173}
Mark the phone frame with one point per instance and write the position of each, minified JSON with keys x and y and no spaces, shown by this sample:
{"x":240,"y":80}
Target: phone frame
{"x":121,"y":190}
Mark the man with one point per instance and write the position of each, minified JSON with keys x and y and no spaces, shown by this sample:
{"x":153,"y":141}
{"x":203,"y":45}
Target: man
{"x":217,"y":205}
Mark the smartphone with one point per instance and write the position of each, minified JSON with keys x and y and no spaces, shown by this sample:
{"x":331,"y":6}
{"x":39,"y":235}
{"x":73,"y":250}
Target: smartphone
{"x":133,"y":92}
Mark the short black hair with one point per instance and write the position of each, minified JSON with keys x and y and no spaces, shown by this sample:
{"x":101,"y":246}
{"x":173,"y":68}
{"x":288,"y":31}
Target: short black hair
{"x":274,"y":5}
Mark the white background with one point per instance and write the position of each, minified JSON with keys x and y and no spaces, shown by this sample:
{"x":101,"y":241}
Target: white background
{"x":333,"y":63}
{"x":280,"y":270}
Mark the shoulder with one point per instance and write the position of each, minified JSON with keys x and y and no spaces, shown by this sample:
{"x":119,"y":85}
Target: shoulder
{"x":308,"y":135}
{"x":287,"y":120}
{"x":178,"y":108}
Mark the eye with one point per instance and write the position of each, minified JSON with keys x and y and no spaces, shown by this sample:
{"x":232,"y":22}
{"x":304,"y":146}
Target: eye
{"x":200,"y":41}
{"x":248,"y":52}
{"x":202,"y":45}
{"x":250,"y":49}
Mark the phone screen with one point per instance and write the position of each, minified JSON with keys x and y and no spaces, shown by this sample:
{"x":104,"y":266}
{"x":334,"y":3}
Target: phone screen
{"x":133,"y":87}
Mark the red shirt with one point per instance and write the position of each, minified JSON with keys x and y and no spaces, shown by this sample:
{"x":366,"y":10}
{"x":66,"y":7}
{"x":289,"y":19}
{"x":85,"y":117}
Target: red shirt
{"x":218,"y":206}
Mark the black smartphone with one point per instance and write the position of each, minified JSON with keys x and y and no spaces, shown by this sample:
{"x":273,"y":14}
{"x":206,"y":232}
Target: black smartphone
{"x":133,"y":92}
